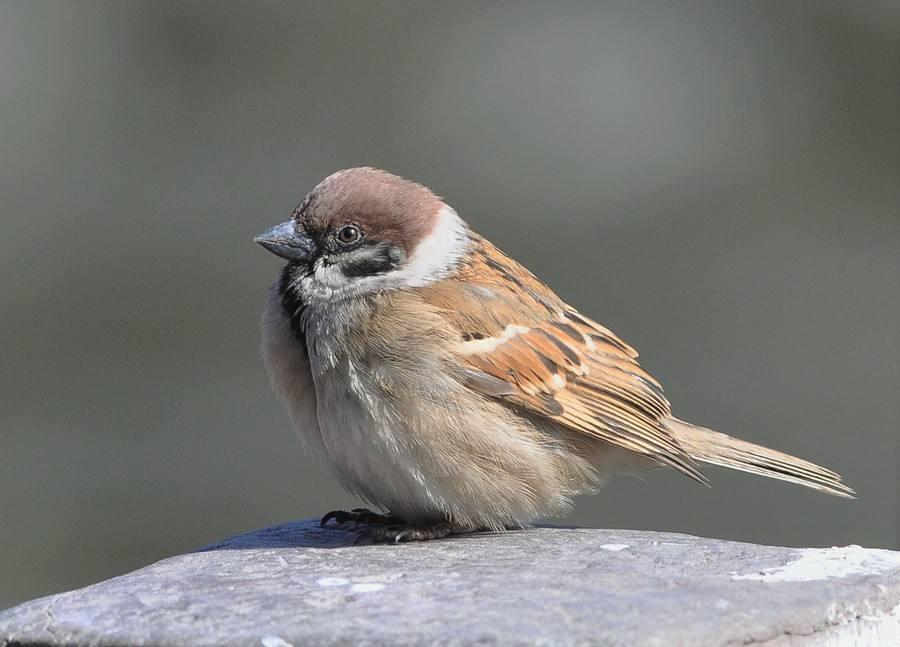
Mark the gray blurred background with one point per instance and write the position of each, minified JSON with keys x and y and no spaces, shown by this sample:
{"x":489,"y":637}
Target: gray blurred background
{"x":714,"y":181}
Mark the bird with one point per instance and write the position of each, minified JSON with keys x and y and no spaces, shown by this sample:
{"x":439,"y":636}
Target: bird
{"x":448,"y":387}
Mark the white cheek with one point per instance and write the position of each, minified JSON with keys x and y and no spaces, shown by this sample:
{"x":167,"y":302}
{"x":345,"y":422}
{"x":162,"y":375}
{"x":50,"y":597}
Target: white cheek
{"x":325,"y":283}
{"x":438,"y":253}
{"x":329,"y":275}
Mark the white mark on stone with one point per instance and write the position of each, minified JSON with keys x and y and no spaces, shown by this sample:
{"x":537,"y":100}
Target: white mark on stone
{"x":381,"y":577}
{"x":275,"y":641}
{"x":332,"y":581}
{"x":367,"y":587}
{"x":823,"y":563}
{"x":722,"y":604}
{"x":614,"y":547}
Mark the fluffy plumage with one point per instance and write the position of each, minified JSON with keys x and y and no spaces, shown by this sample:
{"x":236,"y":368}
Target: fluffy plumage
{"x":442,"y":381}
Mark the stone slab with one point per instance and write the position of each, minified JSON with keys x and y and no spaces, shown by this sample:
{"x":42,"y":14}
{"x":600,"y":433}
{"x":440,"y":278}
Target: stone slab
{"x":298,"y":584}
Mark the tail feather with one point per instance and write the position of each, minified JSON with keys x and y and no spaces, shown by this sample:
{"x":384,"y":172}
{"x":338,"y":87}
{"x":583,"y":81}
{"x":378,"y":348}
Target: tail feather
{"x":708,"y":446}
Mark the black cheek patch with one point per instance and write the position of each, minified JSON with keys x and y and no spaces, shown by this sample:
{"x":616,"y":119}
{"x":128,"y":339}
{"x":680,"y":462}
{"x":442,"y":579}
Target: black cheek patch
{"x":370,"y":259}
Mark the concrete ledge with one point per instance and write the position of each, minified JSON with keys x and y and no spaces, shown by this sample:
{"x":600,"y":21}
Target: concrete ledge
{"x":297,"y":584}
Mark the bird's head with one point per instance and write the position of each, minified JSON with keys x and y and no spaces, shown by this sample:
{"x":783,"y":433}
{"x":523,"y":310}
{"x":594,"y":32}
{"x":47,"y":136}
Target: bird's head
{"x":364,"y":230}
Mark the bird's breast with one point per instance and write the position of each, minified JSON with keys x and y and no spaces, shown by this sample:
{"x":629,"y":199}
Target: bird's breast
{"x":366,"y":442}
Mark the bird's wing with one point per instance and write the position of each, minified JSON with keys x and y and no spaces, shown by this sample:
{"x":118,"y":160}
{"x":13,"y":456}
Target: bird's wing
{"x":520,"y":343}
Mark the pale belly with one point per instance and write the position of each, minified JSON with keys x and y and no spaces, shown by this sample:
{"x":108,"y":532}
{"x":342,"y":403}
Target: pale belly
{"x":368,"y":448}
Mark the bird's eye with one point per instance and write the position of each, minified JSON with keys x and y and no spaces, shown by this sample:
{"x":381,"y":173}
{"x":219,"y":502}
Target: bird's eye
{"x":348,"y":234}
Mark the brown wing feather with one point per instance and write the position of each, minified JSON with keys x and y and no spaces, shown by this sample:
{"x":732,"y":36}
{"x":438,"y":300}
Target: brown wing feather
{"x":558,"y":363}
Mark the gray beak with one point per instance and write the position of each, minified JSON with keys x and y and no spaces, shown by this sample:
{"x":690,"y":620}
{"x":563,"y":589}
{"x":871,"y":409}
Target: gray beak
{"x":284,"y":241}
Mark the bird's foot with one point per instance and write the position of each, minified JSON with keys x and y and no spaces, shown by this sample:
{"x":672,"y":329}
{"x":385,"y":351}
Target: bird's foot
{"x":397,"y":533}
{"x":359,"y":516}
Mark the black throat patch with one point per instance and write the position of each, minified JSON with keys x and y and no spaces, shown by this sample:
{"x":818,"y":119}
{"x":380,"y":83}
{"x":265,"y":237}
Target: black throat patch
{"x":291,"y":302}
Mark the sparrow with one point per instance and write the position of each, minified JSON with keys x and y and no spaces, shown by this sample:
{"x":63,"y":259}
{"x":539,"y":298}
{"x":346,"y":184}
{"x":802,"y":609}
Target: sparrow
{"x":447,"y":386}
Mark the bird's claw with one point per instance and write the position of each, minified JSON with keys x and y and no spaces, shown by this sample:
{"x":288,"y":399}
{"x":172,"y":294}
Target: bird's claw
{"x":357,"y":516}
{"x":403,"y":533}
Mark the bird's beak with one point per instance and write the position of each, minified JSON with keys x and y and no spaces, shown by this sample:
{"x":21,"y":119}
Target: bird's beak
{"x":284,"y":241}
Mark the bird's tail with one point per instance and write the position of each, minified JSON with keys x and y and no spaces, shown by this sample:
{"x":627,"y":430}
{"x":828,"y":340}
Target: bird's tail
{"x":708,"y":446}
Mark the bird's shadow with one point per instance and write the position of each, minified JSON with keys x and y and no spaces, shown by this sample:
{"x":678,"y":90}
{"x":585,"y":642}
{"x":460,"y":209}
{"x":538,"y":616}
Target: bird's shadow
{"x":307,"y":533}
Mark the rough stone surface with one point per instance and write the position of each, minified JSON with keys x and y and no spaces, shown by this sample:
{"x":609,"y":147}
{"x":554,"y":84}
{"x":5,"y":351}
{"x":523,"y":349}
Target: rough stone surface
{"x":297,"y":584}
